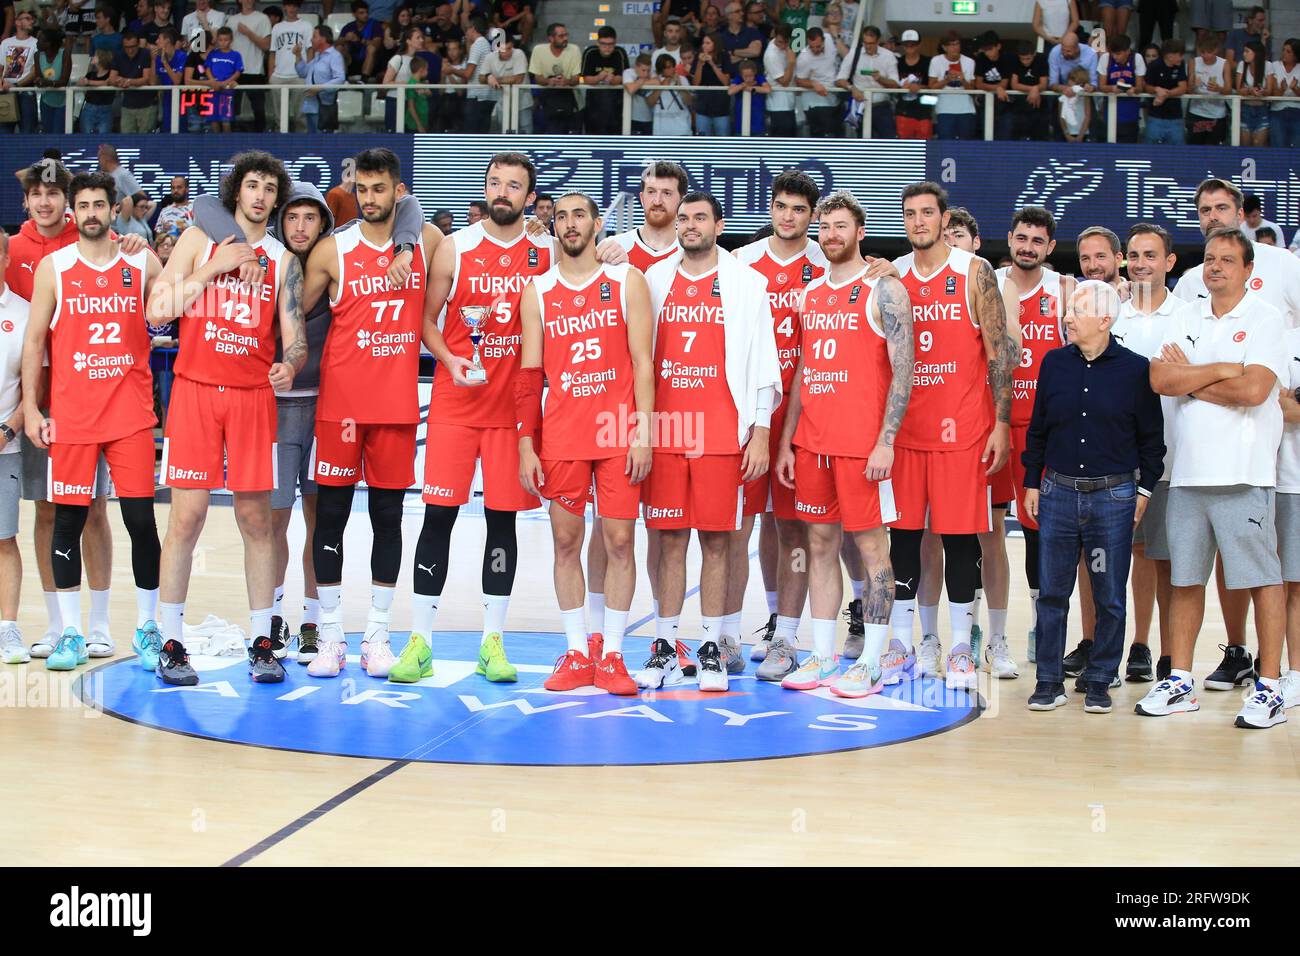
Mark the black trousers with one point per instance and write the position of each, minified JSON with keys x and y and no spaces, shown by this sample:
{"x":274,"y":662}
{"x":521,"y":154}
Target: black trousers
{"x":255,"y":97}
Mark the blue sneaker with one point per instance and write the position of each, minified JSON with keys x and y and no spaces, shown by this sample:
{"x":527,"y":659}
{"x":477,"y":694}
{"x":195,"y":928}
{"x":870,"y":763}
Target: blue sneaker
{"x":147,"y":643}
{"x":68,"y":652}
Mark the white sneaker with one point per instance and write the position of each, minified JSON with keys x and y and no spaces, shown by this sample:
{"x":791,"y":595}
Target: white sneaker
{"x":100,"y":643}
{"x":376,"y":652}
{"x":1290,"y":686}
{"x":1264,"y":708}
{"x":961,"y":672}
{"x":928,"y":658}
{"x":662,"y":669}
{"x":12,"y":648}
{"x":1170,"y":696}
{"x":998,"y":654}
{"x":712,"y":670}
{"x":329,"y":660}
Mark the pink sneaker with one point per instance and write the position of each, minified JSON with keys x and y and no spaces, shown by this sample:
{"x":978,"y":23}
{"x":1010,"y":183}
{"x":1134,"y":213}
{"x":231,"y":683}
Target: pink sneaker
{"x":377,"y":658}
{"x":329,"y":660}
{"x":898,"y":663}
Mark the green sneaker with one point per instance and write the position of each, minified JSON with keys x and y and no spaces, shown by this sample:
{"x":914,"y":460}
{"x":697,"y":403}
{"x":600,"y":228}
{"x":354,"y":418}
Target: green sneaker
{"x":976,"y":641}
{"x":415,"y":662}
{"x":492,"y":662}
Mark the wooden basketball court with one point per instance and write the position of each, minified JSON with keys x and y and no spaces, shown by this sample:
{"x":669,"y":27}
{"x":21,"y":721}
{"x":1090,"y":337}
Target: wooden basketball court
{"x":1007,"y":787}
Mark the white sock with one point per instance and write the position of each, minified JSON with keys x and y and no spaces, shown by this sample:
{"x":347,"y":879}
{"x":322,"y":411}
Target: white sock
{"x":329,"y":604}
{"x":615,"y":627}
{"x":146,"y":606}
{"x":656,"y":604}
{"x":731,"y":626}
{"x":877,"y":637}
{"x":929,"y":614}
{"x":787,"y":628}
{"x":1033,"y":607}
{"x":961,"y":617}
{"x":424,"y":608}
{"x":494,"y":614}
{"x":666,"y":628}
{"x":99,"y":611}
{"x":1270,"y":682}
{"x":823,"y":633}
{"x":997,"y":622}
{"x":575,"y":629}
{"x":596,"y":608}
{"x":900,"y":622}
{"x":771,"y":602}
{"x":1184,"y":676}
{"x":260,"y":622}
{"x":858,"y":587}
{"x":975,"y":607}
{"x":278,"y":607}
{"x":381,"y":599}
{"x":310,"y":611}
{"x":710,"y":630}
{"x":70,"y":608}
{"x":172,"y":621}
{"x":53,"y":612}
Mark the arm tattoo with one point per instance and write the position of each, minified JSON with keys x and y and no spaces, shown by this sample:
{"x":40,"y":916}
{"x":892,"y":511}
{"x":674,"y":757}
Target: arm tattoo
{"x":293,"y":332}
{"x":993,"y":320}
{"x":896,"y":319}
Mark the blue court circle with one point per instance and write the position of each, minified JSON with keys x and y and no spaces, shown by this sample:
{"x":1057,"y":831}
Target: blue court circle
{"x":459,"y":717}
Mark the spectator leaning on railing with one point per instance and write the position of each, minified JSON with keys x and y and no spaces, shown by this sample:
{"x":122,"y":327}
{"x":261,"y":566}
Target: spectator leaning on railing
{"x":1285,"y":120}
{"x":749,"y":80}
{"x":638,"y":75}
{"x":322,"y":70}
{"x":169,"y":69}
{"x":399,"y":72}
{"x":1167,"y":79}
{"x":779,"y":66}
{"x":290,"y":39}
{"x":1207,"y":120}
{"x":1031,"y":117}
{"x":954,"y":114}
{"x":714,"y":68}
{"x":871,"y":68}
{"x":97,"y":108}
{"x":556,"y":65}
{"x":1123,"y":73}
{"x":133,"y":67}
{"x":224,"y":68}
{"x":252,"y":38}
{"x":1252,"y":81}
{"x":18,"y":60}
{"x":994,"y":66}
{"x":603,"y":66}
{"x":816,"y":69}
{"x":53,"y":70}
{"x":671,"y":107}
{"x":912,"y":118}
{"x":507,"y":66}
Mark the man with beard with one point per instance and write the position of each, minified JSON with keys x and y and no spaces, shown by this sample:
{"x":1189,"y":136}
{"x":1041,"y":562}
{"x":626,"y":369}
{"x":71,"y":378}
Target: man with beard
{"x":855,"y":368}
{"x":88,"y":308}
{"x":587,"y":327}
{"x":957,"y":432}
{"x":223,"y":404}
{"x":369,"y":406}
{"x":718,"y":384}
{"x":1275,"y":279}
{"x":302,"y":221}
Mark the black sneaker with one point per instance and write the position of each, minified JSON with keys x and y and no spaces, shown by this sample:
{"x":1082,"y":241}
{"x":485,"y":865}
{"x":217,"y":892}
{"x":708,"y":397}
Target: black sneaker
{"x":1139,"y":664}
{"x":1081,"y":683}
{"x":174,"y":665}
{"x":280,"y":637}
{"x":854,"y":613}
{"x":1097,"y":700}
{"x":1234,"y":670}
{"x":1164,"y":667}
{"x":1048,"y":696}
{"x":263,"y":668}
{"x":713,"y":674}
{"x":1077,"y":659}
{"x":307,"y":644}
{"x":759,"y":653}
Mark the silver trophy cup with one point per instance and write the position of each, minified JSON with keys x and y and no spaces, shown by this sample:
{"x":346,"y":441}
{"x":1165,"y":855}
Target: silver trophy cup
{"x":475,"y":317}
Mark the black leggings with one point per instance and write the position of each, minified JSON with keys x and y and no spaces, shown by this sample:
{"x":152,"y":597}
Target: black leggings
{"x":333,"y":507}
{"x":500,"y":551}
{"x":961,"y":557}
{"x":137,"y":515}
{"x":1031,"y":558}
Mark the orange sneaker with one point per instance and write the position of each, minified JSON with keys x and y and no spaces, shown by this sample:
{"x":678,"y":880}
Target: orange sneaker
{"x":612,"y":676}
{"x":596,"y":648}
{"x":572,"y":671}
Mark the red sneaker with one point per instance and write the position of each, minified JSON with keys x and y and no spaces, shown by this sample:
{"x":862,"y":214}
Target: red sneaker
{"x":595,"y":648}
{"x":684,"y":660}
{"x":612,"y":676}
{"x":573,"y":670}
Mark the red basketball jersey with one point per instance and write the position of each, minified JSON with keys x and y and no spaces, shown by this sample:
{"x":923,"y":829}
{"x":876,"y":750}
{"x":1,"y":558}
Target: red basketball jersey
{"x":1040,"y":332}
{"x":228,"y":333}
{"x":694,"y":410}
{"x":588,"y":365}
{"x":370,"y":366}
{"x":101,"y":388}
{"x":786,"y":280}
{"x":639,"y":255}
{"x":489,"y":279}
{"x":951,"y":406}
{"x":846,"y":370}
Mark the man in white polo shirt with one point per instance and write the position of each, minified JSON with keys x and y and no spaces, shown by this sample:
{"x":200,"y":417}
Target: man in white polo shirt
{"x":815,"y":69}
{"x":871,"y":67}
{"x":1222,"y":359}
{"x":13,"y":326}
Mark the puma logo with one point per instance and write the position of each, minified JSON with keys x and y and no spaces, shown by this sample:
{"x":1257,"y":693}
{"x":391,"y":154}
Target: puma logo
{"x":1257,"y":522}
{"x":421,"y":567}
{"x":75,"y":283}
{"x":904,"y":584}
{"x":1193,"y":340}
{"x":326,"y":547}
{"x":28,"y":267}
{"x":65,"y":555}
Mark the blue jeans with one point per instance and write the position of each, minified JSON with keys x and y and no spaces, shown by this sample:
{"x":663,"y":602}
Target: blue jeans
{"x":955,"y":126}
{"x":1285,"y":125}
{"x":52,"y":120}
{"x":99,"y":119}
{"x":1168,"y":131}
{"x":26,"y":114}
{"x":712,"y":125}
{"x":1100,"y":524}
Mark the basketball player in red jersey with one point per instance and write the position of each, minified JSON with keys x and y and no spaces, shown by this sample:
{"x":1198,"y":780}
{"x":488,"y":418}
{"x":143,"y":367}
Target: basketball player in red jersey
{"x":957,"y":432}
{"x":789,"y":261}
{"x":369,"y":406}
{"x":855,"y":368}
{"x":475,"y":283}
{"x":223,"y":400}
{"x":49,"y":228}
{"x":663,"y":184}
{"x":1039,"y":294}
{"x":587,"y":327}
{"x":88,"y":309}
{"x":719,"y":380}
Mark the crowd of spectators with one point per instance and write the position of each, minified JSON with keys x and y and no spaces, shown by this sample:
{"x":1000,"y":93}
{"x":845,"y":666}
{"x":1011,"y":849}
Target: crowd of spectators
{"x":803,"y":69}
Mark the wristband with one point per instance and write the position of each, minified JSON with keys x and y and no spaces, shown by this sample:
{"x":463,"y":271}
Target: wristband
{"x":528,"y":401}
